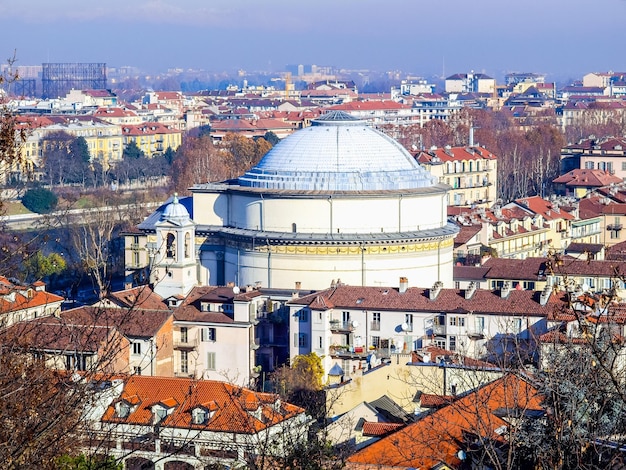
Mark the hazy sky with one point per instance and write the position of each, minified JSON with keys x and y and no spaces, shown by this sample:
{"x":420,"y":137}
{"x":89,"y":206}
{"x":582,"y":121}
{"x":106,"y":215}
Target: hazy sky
{"x":558,"y":37}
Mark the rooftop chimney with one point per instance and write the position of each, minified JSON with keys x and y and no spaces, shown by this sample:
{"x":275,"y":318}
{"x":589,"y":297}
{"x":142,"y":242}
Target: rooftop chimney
{"x":434,"y":290}
{"x":545,"y":295}
{"x":471,"y":289}
{"x":505,"y":290}
{"x":404,"y":284}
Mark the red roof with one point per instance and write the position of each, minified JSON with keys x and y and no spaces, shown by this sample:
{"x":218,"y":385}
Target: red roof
{"x":380,"y":429}
{"x":587,"y":178}
{"x":435,"y":439}
{"x":449,"y":154}
{"x":415,"y":299}
{"x":231,"y":404}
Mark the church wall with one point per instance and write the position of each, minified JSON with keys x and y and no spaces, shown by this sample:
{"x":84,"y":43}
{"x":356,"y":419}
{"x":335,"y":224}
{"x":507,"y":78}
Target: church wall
{"x":360,"y":214}
{"x":317,"y":267}
{"x":210,"y":208}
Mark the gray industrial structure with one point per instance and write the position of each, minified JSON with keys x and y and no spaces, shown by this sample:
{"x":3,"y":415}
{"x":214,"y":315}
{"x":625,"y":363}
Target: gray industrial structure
{"x":59,"y":78}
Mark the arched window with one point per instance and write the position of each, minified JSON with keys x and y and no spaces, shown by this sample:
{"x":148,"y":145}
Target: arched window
{"x":187,"y":245}
{"x":170,"y":246}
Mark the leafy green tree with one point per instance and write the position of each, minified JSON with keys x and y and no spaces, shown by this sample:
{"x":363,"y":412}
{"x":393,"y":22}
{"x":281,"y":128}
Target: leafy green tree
{"x":82,"y":462}
{"x":132,"y":151}
{"x":39,"y":266}
{"x":40,"y":200}
{"x":79,"y":149}
{"x":272,"y":138}
{"x":169,"y":155}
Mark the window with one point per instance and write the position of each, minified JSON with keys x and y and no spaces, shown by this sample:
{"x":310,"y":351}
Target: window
{"x":321,"y":342}
{"x":187,"y":245}
{"x":480,"y":324}
{"x":303,"y":316}
{"x":408,"y":318}
{"x":210,"y":361}
{"x":376,"y":341}
{"x":461,"y":321}
{"x":137,"y":370}
{"x":452,"y":343}
{"x":136,"y":348}
{"x":184,"y":362}
{"x":516,"y":326}
{"x":170,"y":246}
{"x":184,"y":334}
{"x":623,"y":166}
{"x":345,"y":317}
{"x":300,"y":340}
{"x":452,"y":321}
{"x":200,"y":416}
{"x":123,"y":409}
{"x":376,"y":321}
{"x":160,"y":414}
{"x":208,"y":334}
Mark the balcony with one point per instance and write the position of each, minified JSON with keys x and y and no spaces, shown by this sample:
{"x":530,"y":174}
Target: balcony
{"x":439,"y":330}
{"x":337,"y":325}
{"x":182,"y":373}
{"x":614,"y":227}
{"x":186,"y":343}
{"x":475,"y":333}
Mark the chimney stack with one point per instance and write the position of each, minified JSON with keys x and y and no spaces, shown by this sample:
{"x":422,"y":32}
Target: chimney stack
{"x":404,"y":284}
{"x":471,"y":289}
{"x":435,"y":289}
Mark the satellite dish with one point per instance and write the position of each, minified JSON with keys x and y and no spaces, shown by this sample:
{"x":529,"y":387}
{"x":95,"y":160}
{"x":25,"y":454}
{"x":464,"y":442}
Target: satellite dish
{"x":236,"y":290}
{"x":355,"y":324}
{"x":405,"y":327}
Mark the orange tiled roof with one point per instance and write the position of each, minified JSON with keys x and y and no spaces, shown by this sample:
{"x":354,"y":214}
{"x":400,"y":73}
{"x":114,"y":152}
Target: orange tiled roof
{"x":455,"y":154}
{"x":15,"y":297}
{"x":230,"y":403}
{"x":380,"y":429}
{"x":433,"y":440}
{"x":417,"y":300}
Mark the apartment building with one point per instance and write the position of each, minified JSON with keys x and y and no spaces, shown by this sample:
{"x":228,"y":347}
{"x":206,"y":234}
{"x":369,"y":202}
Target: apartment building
{"x":357,"y":327}
{"x":471,"y":171}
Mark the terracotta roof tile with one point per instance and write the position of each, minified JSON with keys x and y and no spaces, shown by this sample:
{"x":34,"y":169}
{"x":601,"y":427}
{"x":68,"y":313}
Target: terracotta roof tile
{"x":380,"y":429}
{"x":433,"y":440}
{"x":228,"y":402}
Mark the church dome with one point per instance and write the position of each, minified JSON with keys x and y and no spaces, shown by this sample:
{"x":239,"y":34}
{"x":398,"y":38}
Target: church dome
{"x":175,"y":212}
{"x":338,"y":153}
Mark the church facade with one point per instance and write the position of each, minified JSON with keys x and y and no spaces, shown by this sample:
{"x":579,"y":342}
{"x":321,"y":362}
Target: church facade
{"x":337,"y":202}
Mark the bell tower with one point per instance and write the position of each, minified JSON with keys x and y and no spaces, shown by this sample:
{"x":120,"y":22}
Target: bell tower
{"x":175,"y":266}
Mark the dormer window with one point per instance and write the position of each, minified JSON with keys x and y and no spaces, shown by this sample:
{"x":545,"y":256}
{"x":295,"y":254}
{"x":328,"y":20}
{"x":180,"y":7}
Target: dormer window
{"x":160,"y":414}
{"x":199,"y":416}
{"x":162,"y":409}
{"x":122,"y":409}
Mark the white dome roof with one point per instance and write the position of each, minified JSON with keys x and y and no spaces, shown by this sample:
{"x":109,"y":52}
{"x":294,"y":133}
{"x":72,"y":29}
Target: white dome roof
{"x":175,"y":212}
{"x":338,"y":153}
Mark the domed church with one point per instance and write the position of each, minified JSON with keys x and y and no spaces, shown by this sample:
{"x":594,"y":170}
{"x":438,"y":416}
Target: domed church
{"x":334,"y":202}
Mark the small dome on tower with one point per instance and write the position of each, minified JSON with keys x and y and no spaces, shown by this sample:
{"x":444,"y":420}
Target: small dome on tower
{"x":176,"y":212}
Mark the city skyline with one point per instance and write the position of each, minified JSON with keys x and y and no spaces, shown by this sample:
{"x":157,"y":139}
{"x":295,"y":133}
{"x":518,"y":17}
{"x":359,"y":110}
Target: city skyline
{"x":423,"y":38}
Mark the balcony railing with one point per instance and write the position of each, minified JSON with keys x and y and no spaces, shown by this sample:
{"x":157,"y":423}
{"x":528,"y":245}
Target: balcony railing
{"x":439,"y":330}
{"x":337,"y":325}
{"x":614,"y":227}
{"x":186,"y":343}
